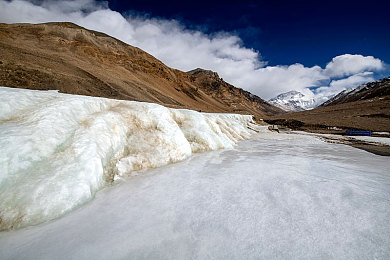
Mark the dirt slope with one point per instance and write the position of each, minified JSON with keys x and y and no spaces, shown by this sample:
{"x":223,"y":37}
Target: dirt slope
{"x":74,"y":60}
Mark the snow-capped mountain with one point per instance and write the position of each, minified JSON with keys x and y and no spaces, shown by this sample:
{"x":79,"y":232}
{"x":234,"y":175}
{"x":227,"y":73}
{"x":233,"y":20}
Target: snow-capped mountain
{"x":293,"y":101}
{"x":369,"y":90}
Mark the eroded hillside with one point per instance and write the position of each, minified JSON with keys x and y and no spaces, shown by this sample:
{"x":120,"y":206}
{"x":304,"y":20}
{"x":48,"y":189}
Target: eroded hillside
{"x":75,"y":60}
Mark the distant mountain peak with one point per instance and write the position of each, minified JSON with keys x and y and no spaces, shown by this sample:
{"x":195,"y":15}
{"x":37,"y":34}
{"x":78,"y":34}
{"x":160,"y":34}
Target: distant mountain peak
{"x":290,"y":94}
{"x":293,"y":101}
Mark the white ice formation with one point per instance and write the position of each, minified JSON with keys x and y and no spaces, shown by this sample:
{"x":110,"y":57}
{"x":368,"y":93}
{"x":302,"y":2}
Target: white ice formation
{"x":57,"y":149}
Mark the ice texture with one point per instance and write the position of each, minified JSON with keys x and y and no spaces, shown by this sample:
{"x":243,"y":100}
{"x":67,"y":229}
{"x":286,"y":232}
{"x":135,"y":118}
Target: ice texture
{"x":57,"y":150}
{"x":367,"y":139}
{"x":275,"y":196}
{"x":373,"y":139}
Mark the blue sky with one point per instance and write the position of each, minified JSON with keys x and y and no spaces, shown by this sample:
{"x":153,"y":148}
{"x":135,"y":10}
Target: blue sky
{"x":266,"y":47}
{"x":285,"y":31}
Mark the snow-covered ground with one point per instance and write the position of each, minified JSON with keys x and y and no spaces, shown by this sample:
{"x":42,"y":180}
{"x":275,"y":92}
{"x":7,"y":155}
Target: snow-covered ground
{"x":367,"y":139}
{"x":275,"y":196}
{"x":373,"y":139}
{"x":57,"y":150}
{"x":279,"y":196}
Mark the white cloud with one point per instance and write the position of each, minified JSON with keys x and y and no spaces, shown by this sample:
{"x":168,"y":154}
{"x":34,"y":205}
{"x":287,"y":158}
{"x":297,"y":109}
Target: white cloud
{"x":354,"y":80}
{"x":336,"y":86}
{"x":347,"y":64}
{"x":270,"y":81}
{"x":184,"y":49}
{"x":67,"y":6}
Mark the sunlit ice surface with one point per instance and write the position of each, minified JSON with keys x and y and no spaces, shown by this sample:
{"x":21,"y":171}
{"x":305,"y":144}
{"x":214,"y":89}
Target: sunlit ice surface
{"x":275,"y":196}
{"x":57,"y":150}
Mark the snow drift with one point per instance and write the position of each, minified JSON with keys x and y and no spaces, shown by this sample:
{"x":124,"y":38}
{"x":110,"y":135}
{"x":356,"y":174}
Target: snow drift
{"x":57,"y":149}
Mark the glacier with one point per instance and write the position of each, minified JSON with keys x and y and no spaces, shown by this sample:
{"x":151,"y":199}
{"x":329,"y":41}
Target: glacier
{"x":274,"y":196}
{"x":58,"y":150}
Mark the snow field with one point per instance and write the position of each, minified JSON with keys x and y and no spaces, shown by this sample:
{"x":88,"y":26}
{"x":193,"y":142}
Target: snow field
{"x":57,"y":150}
{"x":275,"y":196}
{"x":368,"y":139}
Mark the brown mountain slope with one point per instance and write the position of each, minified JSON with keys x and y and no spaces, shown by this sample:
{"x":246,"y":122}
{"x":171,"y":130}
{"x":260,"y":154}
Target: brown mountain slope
{"x":379,"y":88}
{"x":74,"y":60}
{"x":214,"y":86}
{"x":367,"y":108}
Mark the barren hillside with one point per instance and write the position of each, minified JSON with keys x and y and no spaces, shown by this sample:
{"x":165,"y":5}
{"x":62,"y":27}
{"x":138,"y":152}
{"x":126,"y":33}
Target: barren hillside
{"x":74,"y":60}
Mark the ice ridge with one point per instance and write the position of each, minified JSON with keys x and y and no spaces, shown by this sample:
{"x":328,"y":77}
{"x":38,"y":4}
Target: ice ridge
{"x":58,"y":150}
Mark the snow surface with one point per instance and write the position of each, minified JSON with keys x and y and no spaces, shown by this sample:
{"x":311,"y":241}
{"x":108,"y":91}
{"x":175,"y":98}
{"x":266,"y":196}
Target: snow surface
{"x":381,"y":133}
{"x":57,"y":150}
{"x":368,"y":139}
{"x":276,"y":196}
{"x":373,"y":139}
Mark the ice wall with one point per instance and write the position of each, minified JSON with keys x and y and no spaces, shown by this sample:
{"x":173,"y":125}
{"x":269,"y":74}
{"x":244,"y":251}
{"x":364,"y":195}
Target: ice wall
{"x":57,"y":150}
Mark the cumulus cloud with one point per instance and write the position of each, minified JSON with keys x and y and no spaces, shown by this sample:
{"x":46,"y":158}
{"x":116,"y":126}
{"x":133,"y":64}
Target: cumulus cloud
{"x":337,"y":86}
{"x":184,"y":49}
{"x":272,"y":80}
{"x":354,"y":80}
{"x":347,"y":64}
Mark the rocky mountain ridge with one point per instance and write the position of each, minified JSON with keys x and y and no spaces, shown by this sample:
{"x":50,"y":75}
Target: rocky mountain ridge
{"x":213,"y":85}
{"x":74,"y":60}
